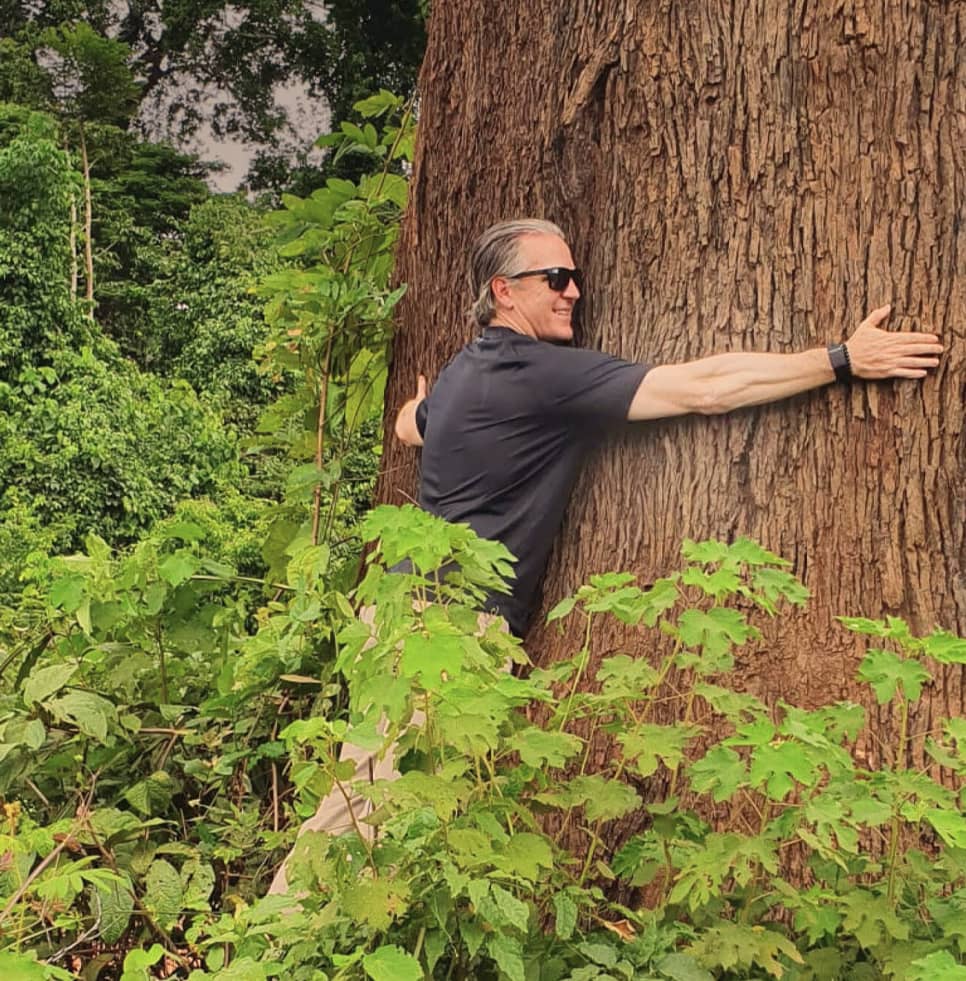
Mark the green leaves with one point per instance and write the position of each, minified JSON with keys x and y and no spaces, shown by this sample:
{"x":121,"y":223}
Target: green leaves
{"x":720,"y":772}
{"x":44,"y":682}
{"x":888,"y":672}
{"x":391,"y":963}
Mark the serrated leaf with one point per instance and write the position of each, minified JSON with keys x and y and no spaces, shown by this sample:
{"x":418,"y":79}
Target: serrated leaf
{"x":950,"y":826}
{"x":626,"y":677}
{"x":720,"y":772}
{"x":163,"y":896}
{"x":116,"y":904}
{"x":647,"y":742}
{"x":562,"y":609}
{"x":429,"y":657}
{"x":511,"y":911}
{"x":565,"y":915}
{"x":778,"y":765}
{"x":91,"y":713}
{"x":375,"y":902}
{"x":714,"y":631}
{"x":718,"y":584}
{"x":607,"y":799}
{"x":681,"y":967}
{"x":44,"y":682}
{"x":391,"y":963}
{"x":945,"y":647}
{"x":538,"y":747}
{"x":733,"y":705}
{"x":775,"y":584}
{"x":525,"y":854}
{"x":508,"y":953}
{"x":67,"y":592}
{"x":179,"y":567}
{"x":886,"y":672}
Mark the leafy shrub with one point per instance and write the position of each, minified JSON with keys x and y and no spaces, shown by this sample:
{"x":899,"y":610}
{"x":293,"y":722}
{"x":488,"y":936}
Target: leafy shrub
{"x":464,"y":879}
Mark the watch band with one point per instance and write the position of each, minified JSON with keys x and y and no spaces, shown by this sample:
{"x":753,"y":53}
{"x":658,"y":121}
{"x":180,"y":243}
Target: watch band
{"x":838,"y":355}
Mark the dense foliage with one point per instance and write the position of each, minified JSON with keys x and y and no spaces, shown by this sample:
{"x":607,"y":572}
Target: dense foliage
{"x":231,"y":67}
{"x":188,"y":631}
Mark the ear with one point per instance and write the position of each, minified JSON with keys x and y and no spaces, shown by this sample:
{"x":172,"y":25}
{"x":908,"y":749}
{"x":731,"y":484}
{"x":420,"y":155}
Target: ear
{"x":500,"y":287}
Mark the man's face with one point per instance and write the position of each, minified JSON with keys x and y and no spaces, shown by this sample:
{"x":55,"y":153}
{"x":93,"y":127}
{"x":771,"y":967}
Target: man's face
{"x":534,"y":307}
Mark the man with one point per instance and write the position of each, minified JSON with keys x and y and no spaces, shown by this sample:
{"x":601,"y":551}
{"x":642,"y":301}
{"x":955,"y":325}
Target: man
{"x":511,"y":417}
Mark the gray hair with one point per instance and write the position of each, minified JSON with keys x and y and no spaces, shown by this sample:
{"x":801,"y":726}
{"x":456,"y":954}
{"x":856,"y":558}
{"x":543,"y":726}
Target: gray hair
{"x":495,"y":253}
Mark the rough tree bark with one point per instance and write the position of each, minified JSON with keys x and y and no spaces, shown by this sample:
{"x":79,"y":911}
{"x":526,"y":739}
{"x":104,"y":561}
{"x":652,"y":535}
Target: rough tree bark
{"x":731,"y":176}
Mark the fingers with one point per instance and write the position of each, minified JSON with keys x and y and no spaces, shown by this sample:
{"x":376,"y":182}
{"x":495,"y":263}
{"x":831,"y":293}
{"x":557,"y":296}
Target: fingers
{"x":877,"y":316}
{"x":421,"y":387}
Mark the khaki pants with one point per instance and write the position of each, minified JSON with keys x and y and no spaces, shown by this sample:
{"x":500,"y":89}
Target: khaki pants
{"x":339,"y":812}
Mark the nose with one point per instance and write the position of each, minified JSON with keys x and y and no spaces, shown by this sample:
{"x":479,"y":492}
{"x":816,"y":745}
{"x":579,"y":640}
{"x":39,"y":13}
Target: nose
{"x":572,"y":292}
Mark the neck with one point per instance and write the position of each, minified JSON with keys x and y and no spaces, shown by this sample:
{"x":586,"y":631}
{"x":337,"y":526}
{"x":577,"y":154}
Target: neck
{"x":502,"y":320}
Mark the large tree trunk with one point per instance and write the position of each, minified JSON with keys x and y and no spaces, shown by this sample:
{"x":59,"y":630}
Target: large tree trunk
{"x":731,"y":177}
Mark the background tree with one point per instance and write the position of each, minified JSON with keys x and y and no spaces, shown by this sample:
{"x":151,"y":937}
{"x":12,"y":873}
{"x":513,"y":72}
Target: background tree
{"x":234,"y":67}
{"x":727,"y":185}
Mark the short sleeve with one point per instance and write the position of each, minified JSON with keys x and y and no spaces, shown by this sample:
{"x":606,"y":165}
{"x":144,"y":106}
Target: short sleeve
{"x":422,"y":414}
{"x":581,"y":384}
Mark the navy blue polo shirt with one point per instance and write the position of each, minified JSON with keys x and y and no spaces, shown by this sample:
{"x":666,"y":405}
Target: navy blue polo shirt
{"x":505,"y":430}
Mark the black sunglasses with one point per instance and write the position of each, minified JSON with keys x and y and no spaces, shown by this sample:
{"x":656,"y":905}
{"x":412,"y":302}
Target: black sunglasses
{"x":558,"y":277}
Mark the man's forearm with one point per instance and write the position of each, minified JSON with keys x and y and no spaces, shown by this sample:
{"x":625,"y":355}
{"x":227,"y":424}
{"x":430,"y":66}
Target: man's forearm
{"x":406,"y":429}
{"x":735,"y":381}
{"x":725,"y":382}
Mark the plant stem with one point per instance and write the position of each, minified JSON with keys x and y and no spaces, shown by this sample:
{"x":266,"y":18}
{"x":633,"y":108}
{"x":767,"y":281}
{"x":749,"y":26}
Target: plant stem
{"x":894,"y":828}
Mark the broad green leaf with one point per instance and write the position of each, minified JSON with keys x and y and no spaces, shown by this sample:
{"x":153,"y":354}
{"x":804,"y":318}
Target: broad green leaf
{"x":66,"y":593}
{"x":562,"y":609}
{"x":508,"y":953}
{"x":950,"y":826}
{"x":945,"y":647}
{"x":871,"y":919}
{"x":501,"y":908}
{"x":886,"y":672}
{"x":565,"y":915}
{"x":525,"y":854}
{"x":775,"y":584}
{"x":116,"y":904}
{"x":153,"y":794}
{"x":705,"y":552}
{"x":733,"y":705}
{"x":44,"y":682}
{"x":179,"y":567}
{"x":778,"y":765}
{"x":537,"y":747}
{"x":24,"y":967}
{"x":429,"y":657}
{"x":21,"y":731}
{"x":377,"y":105}
{"x":648,"y":742}
{"x":391,"y":963}
{"x":375,"y":902}
{"x":606,"y":799}
{"x":720,"y":583}
{"x":715,"y":631}
{"x":91,"y":713}
{"x":601,"y":954}
{"x":626,"y":677}
{"x":720,"y":772}
{"x":681,"y":967}
{"x":163,"y":896}
{"x":938,"y":966}
{"x":137,"y":962}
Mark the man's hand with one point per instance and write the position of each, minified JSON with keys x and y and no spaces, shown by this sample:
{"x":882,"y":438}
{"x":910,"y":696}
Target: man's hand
{"x":876,"y":353}
{"x":406,"y":428}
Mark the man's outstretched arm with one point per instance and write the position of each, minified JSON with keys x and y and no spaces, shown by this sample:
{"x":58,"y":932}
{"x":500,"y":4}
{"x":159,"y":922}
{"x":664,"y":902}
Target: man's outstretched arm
{"x":406,"y":429}
{"x":725,"y":382}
